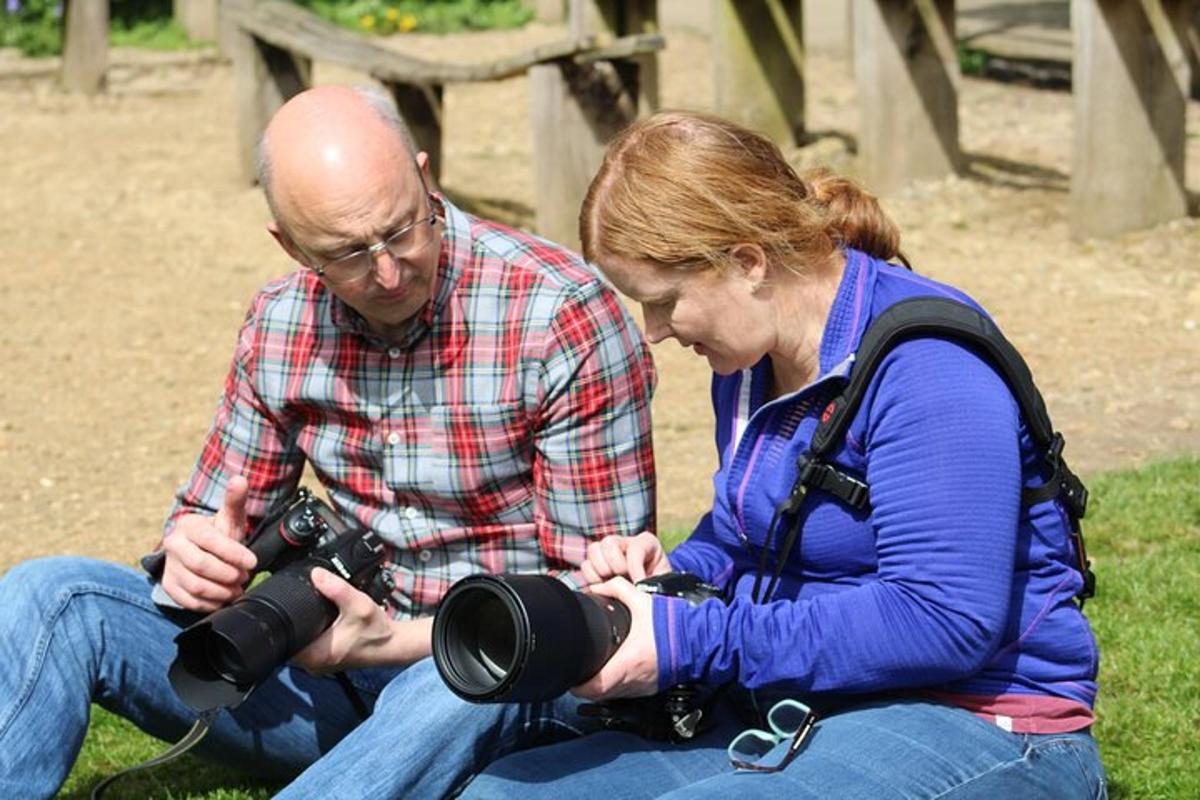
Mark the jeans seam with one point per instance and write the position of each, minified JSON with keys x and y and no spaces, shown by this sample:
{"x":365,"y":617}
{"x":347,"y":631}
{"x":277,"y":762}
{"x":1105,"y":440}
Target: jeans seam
{"x":985,"y":773}
{"x":48,"y":631}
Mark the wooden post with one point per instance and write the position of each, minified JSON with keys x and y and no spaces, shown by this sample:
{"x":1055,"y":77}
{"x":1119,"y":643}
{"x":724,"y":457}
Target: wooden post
{"x":758,"y":60}
{"x":421,"y":109}
{"x":576,"y":109}
{"x":85,"y":46}
{"x":828,"y":27}
{"x":265,"y":77}
{"x":906,"y":66}
{"x":198,"y":18}
{"x":611,"y":18}
{"x":551,"y":12}
{"x":1130,"y":85}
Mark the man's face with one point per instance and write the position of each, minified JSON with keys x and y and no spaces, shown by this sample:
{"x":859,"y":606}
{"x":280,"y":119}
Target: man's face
{"x":329,"y":222}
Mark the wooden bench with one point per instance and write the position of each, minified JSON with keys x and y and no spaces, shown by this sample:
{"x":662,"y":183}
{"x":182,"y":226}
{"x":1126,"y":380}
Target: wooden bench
{"x":273,"y":45}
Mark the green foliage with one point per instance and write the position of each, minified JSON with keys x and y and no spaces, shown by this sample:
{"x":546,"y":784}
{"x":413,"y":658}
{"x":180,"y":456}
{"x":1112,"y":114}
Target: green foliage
{"x":35,"y":27}
{"x":386,"y":17}
{"x":972,"y":61}
{"x":1143,"y":532}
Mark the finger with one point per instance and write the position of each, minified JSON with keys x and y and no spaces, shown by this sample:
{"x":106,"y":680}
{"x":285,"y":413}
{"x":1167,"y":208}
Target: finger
{"x":638,"y":555}
{"x":194,"y":558}
{"x":220,"y":546}
{"x":599,"y":564}
{"x":612,"y":550}
{"x":231,"y":519}
{"x":589,"y":573}
{"x":197,"y":594}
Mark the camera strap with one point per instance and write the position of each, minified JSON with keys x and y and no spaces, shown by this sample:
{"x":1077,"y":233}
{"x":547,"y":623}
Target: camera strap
{"x":955,"y":321}
{"x":190,"y":740}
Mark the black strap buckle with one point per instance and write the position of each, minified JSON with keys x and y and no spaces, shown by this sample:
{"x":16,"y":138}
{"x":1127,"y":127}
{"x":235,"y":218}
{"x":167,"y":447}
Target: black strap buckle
{"x":815,"y":474}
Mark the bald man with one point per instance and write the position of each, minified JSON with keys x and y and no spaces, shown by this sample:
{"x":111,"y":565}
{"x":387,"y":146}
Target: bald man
{"x":476,"y":396}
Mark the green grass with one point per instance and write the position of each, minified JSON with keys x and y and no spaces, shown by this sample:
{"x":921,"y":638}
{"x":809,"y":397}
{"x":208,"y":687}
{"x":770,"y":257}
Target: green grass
{"x":1143,"y":531}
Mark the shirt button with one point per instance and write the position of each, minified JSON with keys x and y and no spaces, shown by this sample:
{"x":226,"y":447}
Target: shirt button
{"x":411,"y":513}
{"x":394,"y":352}
{"x":424,"y":556}
{"x":393,"y":438}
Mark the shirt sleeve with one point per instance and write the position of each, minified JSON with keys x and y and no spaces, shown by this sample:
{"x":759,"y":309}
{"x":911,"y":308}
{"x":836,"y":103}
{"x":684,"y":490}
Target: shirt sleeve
{"x":943,"y":463}
{"x":245,"y":438}
{"x":593,"y":463}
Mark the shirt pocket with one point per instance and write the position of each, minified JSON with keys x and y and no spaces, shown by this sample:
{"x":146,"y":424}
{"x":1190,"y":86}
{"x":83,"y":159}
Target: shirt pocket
{"x":480,"y":461}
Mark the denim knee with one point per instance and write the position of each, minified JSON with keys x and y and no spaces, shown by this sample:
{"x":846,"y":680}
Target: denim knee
{"x":40,"y":584}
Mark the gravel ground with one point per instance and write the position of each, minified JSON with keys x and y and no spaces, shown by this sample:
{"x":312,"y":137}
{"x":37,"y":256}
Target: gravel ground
{"x":132,"y":249}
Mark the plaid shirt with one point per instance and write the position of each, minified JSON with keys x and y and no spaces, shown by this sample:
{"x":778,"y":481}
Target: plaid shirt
{"x":506,"y":429}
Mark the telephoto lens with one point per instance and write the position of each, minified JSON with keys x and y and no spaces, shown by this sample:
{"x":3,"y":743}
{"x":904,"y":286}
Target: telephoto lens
{"x":522,"y":638}
{"x":221,"y":658}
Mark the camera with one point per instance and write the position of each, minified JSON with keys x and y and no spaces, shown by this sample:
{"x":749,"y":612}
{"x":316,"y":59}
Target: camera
{"x":529,"y":638}
{"x":226,"y":654}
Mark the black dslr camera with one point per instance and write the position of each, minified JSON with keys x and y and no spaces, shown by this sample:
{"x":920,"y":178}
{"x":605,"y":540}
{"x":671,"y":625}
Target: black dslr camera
{"x":226,"y":654}
{"x":507,"y":637}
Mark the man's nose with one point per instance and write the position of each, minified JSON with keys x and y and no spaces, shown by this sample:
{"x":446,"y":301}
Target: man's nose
{"x":387,"y":269}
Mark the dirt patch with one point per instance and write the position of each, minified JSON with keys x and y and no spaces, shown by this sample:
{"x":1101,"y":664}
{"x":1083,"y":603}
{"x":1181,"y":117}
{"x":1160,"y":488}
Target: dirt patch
{"x":131,"y":249}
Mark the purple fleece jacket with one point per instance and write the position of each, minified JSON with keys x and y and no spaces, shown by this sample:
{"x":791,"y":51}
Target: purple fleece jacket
{"x":946,"y":586}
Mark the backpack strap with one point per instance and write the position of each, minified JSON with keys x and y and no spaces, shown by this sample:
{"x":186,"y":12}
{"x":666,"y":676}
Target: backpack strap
{"x":956,"y":321}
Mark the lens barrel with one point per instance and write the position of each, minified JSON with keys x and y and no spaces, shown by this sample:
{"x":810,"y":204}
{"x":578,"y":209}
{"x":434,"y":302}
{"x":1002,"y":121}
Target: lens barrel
{"x":528,"y":638}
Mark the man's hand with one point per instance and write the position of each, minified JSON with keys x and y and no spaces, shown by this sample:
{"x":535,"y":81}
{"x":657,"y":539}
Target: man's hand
{"x":206,"y":563}
{"x":633,"y":669}
{"x":363,"y":635}
{"x":635,"y":558}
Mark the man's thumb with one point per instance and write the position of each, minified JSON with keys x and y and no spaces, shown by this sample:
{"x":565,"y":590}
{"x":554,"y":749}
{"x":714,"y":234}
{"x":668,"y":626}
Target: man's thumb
{"x":232,"y":517}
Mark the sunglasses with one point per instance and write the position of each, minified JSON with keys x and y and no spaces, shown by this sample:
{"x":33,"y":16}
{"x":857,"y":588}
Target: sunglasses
{"x":787,"y":718}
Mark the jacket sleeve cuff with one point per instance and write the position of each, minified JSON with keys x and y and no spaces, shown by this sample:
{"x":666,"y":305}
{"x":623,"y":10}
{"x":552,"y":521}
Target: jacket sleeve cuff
{"x":668,"y":642}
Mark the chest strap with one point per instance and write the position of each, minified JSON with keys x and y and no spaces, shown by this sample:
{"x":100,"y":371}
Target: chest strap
{"x":946,"y":319}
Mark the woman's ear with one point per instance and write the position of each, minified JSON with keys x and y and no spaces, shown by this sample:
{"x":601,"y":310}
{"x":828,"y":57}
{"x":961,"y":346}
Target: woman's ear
{"x":751,"y":261}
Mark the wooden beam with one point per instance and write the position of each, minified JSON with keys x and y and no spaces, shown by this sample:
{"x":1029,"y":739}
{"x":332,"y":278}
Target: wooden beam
{"x":265,"y":77}
{"x":576,"y":109}
{"x":758,"y":61}
{"x":906,"y":66}
{"x":85,"y":46}
{"x":421,"y":109}
{"x":1130,"y":88}
{"x":609,"y":19}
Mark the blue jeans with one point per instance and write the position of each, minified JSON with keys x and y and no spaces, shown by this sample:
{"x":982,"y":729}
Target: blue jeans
{"x":75,"y":631}
{"x":878,"y":751}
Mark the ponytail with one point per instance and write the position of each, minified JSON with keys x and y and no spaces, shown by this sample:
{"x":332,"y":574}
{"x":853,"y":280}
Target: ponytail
{"x":854,"y":218}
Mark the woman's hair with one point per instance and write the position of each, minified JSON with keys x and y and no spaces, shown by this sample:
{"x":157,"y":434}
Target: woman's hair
{"x":682,"y":188}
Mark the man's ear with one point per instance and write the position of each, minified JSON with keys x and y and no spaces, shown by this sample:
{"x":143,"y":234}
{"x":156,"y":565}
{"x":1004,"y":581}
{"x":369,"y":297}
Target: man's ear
{"x":751,"y":261}
{"x":422,"y":159}
{"x":286,"y":243}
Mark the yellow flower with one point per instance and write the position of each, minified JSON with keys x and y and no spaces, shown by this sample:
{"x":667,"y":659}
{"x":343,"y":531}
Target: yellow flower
{"x":391,"y":14}
{"x":368,"y":21}
{"x":407,"y":23}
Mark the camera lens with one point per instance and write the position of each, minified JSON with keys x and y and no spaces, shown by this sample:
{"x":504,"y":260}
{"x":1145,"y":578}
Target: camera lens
{"x":224,"y":658}
{"x":522,"y":637}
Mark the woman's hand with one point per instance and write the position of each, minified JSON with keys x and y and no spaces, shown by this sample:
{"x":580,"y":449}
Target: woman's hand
{"x":363,"y":635}
{"x":632,"y":557}
{"x":633,"y":669}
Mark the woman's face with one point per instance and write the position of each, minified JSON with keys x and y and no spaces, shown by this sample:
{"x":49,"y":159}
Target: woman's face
{"x":715,"y":313}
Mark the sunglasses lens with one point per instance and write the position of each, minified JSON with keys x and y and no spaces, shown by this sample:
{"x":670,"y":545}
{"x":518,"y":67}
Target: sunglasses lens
{"x":751,"y":745}
{"x":787,"y":717}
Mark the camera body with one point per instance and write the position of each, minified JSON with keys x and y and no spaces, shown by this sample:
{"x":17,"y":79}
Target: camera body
{"x":226,"y":654}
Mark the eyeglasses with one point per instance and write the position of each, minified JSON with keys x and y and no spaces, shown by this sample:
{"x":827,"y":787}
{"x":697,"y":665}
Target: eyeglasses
{"x":787,"y":718}
{"x":405,"y":244}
